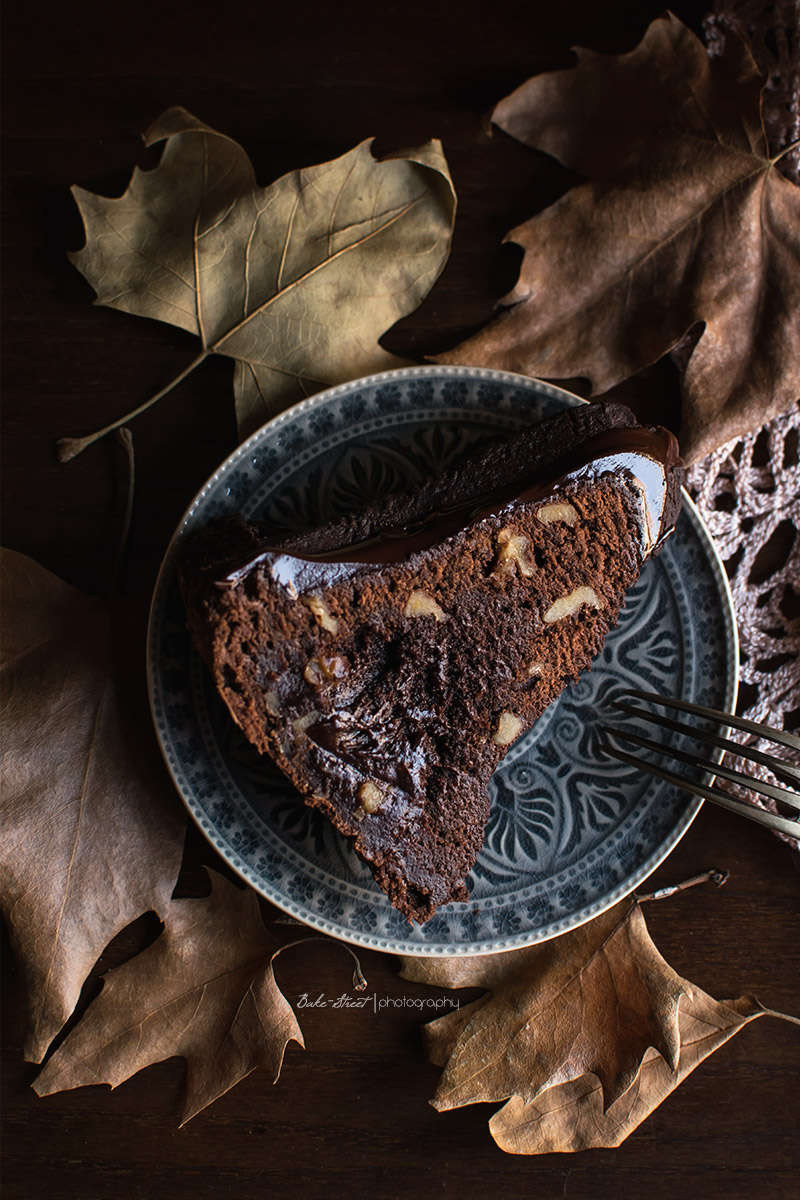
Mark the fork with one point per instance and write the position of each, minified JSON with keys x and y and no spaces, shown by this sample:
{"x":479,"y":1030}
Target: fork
{"x":781,"y":769}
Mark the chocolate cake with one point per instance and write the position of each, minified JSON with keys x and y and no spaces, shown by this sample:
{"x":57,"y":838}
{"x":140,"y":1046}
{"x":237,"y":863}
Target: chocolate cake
{"x":388,"y":660}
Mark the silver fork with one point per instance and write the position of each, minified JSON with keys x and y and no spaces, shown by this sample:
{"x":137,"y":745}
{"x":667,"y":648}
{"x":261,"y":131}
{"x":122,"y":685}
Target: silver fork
{"x":781,"y":769}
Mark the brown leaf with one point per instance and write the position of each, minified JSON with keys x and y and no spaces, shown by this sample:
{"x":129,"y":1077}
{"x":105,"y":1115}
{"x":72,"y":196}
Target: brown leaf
{"x":89,"y":840}
{"x":592,"y":1000}
{"x":684,"y":220}
{"x":295,"y":281}
{"x":571,"y":1117}
{"x":584,"y":1036}
{"x":204,"y":990}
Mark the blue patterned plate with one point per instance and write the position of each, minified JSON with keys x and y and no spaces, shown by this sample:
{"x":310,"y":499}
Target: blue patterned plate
{"x":570,"y":831}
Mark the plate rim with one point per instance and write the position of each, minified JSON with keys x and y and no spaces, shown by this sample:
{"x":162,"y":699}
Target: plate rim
{"x":372,"y":941}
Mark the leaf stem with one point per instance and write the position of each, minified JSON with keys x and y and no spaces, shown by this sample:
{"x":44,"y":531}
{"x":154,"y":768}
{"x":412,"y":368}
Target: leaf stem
{"x":770,"y":1012}
{"x":359,"y":979}
{"x":70,"y":447}
{"x":711,"y":876}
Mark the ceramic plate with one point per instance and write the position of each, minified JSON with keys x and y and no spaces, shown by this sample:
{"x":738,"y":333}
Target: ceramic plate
{"x":571,"y":831}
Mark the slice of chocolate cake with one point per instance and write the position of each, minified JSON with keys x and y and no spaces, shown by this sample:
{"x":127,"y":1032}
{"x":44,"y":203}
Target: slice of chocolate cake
{"x":388,"y":660}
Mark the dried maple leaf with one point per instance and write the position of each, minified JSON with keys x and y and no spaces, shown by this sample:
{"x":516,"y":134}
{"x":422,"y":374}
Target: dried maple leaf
{"x":684,"y":220}
{"x":92,"y":833}
{"x":204,"y":990}
{"x":584,"y":1035}
{"x":295,"y":281}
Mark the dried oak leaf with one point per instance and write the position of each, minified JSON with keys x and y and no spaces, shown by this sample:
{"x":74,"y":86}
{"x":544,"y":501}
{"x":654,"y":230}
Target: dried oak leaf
{"x":684,"y":220}
{"x":570,"y":1116}
{"x":583,"y":1036}
{"x":204,"y":990}
{"x":92,"y":831}
{"x":592,"y":1000}
{"x":296,"y":281}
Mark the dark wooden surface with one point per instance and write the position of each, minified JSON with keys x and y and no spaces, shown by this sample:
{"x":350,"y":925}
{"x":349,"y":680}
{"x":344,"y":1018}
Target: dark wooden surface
{"x":296,"y":84}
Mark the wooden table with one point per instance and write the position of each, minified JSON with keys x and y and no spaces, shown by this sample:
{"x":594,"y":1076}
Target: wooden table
{"x":297,"y":84}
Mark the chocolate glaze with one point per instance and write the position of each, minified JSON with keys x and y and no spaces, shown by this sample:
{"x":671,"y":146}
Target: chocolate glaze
{"x":644,"y":455}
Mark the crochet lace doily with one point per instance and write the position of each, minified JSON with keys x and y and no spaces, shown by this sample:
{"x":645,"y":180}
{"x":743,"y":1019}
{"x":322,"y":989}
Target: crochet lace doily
{"x":748,"y":492}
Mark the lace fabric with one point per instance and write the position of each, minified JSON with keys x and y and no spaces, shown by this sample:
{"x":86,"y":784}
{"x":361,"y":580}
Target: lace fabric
{"x":748,"y":492}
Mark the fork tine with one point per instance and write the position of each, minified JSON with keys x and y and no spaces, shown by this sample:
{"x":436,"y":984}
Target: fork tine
{"x":781,"y":736}
{"x":711,"y":739}
{"x":785,"y":825}
{"x":719,"y":769}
